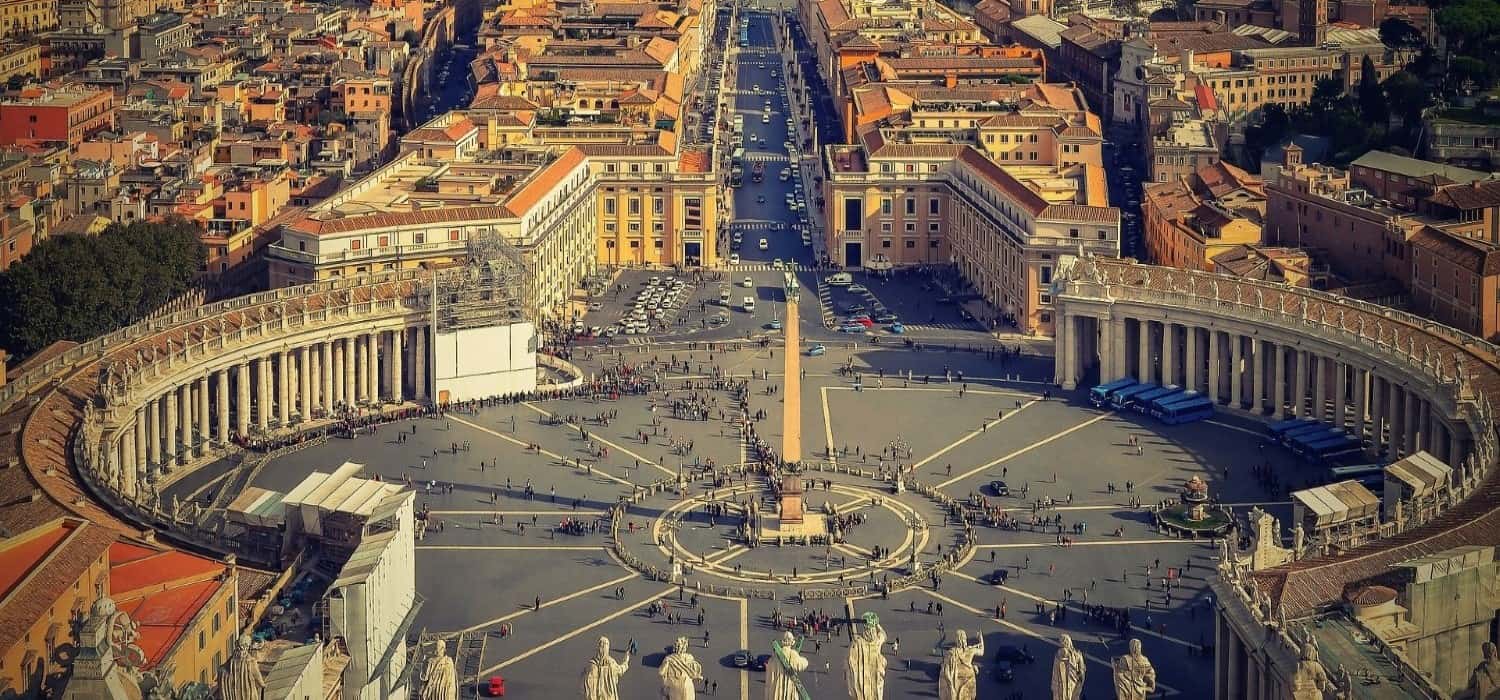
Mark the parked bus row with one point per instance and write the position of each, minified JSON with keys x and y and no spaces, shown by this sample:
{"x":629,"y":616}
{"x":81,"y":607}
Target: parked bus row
{"x":1170,"y":404}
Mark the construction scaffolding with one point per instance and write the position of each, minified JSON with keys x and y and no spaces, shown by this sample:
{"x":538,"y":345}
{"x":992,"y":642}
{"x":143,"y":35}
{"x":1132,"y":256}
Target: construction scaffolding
{"x":485,"y":291}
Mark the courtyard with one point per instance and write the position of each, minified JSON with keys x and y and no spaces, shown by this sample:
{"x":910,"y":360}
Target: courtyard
{"x":497,"y":482}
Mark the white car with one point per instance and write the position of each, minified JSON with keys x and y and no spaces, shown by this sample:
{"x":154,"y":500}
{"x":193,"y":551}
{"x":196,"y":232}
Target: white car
{"x":734,"y":258}
{"x":748,"y":283}
{"x":764,"y":244}
{"x":749,"y":304}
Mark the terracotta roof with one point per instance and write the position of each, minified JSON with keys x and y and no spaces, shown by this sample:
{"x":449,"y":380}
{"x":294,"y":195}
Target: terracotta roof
{"x":694,"y":161}
{"x":52,"y":570}
{"x":937,"y":63}
{"x":1479,"y":194}
{"x":543,"y":181}
{"x":1478,"y":257}
{"x":434,"y":216}
{"x":164,"y":616}
{"x":1019,"y":193}
{"x":1080,"y":213}
{"x":1171,"y":44}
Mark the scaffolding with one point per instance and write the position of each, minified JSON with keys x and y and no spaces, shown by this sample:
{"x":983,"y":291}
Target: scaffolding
{"x":483,"y":292}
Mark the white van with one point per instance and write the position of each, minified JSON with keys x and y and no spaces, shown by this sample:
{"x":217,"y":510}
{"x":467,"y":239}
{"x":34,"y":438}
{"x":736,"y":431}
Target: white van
{"x":840,"y":279}
{"x":749,"y":304}
{"x":724,"y":297}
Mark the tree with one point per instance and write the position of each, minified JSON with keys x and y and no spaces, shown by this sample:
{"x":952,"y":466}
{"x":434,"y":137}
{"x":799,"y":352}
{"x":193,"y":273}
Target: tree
{"x":79,"y":287}
{"x":1273,"y":125}
{"x":1406,"y":96}
{"x":1372,"y":104}
{"x":1326,"y":94}
{"x":1398,"y":33}
{"x":411,"y":37}
{"x":1468,"y":72}
{"x":1471,"y":25}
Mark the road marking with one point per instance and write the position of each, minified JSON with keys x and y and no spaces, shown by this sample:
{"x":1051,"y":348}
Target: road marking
{"x":1024,"y":450}
{"x":575,"y":632}
{"x":1040,"y":599}
{"x":547,"y":604}
{"x":517,"y":512}
{"x":828,"y":428}
{"x":1246,"y":431}
{"x":1164,"y":688}
{"x":544,"y":451}
{"x":514,"y":547}
{"x":744,"y":644}
{"x":1087,"y":543}
{"x":593,"y":437}
{"x":973,"y":434}
{"x":1126,"y":506}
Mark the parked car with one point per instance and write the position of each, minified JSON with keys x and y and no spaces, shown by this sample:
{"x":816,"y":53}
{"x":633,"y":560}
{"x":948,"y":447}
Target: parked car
{"x":743,"y":658}
{"x":817,"y":350}
{"x":999,"y":488}
{"x":897,"y":328}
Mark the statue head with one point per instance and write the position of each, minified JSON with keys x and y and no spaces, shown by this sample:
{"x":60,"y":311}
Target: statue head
{"x":1135,"y":647}
{"x":1066,"y":642}
{"x":440,"y":648}
{"x":680,"y":646}
{"x":1491,"y":652}
{"x":603,"y":648}
{"x":1309,"y":650}
{"x":787,"y":639}
{"x":963,"y":639}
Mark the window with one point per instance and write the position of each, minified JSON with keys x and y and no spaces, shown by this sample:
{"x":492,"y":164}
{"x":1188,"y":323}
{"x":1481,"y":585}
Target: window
{"x":356,"y":244}
{"x":885,"y":243}
{"x":1046,"y":274}
{"x":384,"y":241}
{"x":932,"y":227}
{"x":202,"y":639}
{"x":932,"y":244}
{"x":911,"y":244}
{"x":635,"y":206}
{"x":932,"y":206}
{"x":853,"y":214}
{"x":1072,"y":233}
{"x":453,"y":235}
{"x":419,"y":238}
{"x":658,"y":205}
{"x":911,"y":206}
{"x":885,"y":206}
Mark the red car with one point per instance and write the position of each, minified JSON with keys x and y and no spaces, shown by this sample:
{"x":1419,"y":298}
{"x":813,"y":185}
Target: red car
{"x":497,"y":687}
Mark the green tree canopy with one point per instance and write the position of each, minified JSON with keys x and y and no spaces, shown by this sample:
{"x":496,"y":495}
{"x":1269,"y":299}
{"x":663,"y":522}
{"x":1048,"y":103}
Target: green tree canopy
{"x":1372,"y":104}
{"x":79,"y":287}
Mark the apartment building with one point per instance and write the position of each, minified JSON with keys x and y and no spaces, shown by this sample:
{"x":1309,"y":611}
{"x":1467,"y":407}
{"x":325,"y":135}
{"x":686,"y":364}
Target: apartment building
{"x":1455,"y":279}
{"x":66,"y":115}
{"x":17,"y":59}
{"x":24,"y":17}
{"x":1191,"y":220}
{"x":998,"y":181}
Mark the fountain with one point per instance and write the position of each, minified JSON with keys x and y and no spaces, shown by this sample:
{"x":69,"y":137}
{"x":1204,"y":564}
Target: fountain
{"x":1192,"y":516}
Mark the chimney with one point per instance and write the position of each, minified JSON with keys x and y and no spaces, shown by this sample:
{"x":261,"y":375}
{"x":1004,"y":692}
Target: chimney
{"x":1291,"y":158}
{"x":1185,"y":59}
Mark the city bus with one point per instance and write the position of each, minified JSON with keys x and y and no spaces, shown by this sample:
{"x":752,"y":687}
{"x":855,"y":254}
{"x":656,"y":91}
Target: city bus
{"x":1159,"y":405}
{"x":1355,"y":471}
{"x":1197,"y":408}
{"x":758,"y":172}
{"x":1311,"y":426}
{"x":1123,"y":397}
{"x":1281,"y":427}
{"x":1101,"y":394}
{"x":1329,"y":448}
{"x":736,"y":175}
{"x":1143,"y":401}
{"x":1306,"y":444}
{"x":739,"y":125}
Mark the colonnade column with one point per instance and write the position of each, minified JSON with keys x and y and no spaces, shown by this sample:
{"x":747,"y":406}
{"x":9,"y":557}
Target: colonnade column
{"x":242,"y":399}
{"x":169,"y":435}
{"x":221,"y":399}
{"x":325,"y":375}
{"x":1396,"y":430}
{"x":304,"y":383}
{"x":372,"y":374}
{"x":1361,"y":400}
{"x":1168,"y":359}
{"x":1377,"y":401}
{"x":186,"y":405}
{"x":419,"y":356}
{"x":1455,"y":448}
{"x":1342,"y":396}
{"x":282,"y":377}
{"x":263,"y":393}
{"x":1257,"y":375}
{"x":1063,"y":344}
{"x":1279,"y":358}
{"x":1143,"y":350}
{"x":1117,"y":347}
{"x":350,"y":361}
{"x":1413,"y":411}
{"x":140,"y":450}
{"x":1191,"y":366}
{"x":1299,"y":389}
{"x":1318,"y":367}
{"x":200,"y":387}
{"x":1236,"y":370}
{"x":125,"y":471}
{"x":153,"y":431}
{"x":1215,"y":366}
{"x":398,"y":343}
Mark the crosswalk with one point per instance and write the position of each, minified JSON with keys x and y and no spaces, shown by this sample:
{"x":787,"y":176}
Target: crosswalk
{"x":766,"y":157}
{"x":766,"y":267}
{"x":758,"y":226}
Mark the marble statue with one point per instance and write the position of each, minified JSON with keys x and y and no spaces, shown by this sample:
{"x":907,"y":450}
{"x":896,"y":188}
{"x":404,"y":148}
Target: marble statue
{"x":1067,"y":671}
{"x":1311,"y":680}
{"x":1484,"y":682}
{"x":601,"y":680}
{"x":241,"y":679}
{"x":1135,"y":678}
{"x":679,"y":672}
{"x":958,"y":679}
{"x":865,"y":674}
{"x":781,"y":673}
{"x":439,"y":677}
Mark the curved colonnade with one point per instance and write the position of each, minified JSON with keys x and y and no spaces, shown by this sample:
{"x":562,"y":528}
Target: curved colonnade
{"x":137,"y":408}
{"x":1399,"y":382}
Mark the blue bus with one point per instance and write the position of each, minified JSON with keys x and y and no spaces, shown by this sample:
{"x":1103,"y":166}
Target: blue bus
{"x":1123,"y":397}
{"x":1333,"y":448}
{"x":1356,"y":471}
{"x":1194,"y":409}
{"x":1281,"y":427}
{"x":1311,"y":427}
{"x":1315,"y":446}
{"x":1101,"y":394}
{"x":1160,"y":405}
{"x":1142,"y":402}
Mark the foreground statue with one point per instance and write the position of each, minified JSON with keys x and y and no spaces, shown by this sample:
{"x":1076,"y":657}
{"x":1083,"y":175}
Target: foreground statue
{"x":865,"y":674}
{"x":680,"y":671}
{"x":1135,"y":678}
{"x":958,"y":679}
{"x":781,"y":673}
{"x":1484,"y":683}
{"x":601,"y":680}
{"x":439,"y":678}
{"x":1067,"y":671}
